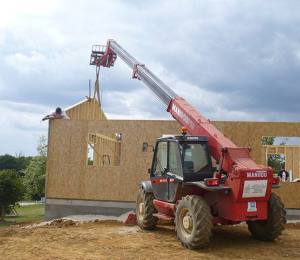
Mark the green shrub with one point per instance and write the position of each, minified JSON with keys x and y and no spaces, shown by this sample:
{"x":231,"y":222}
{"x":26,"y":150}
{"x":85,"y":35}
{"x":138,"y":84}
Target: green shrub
{"x":11,"y":190}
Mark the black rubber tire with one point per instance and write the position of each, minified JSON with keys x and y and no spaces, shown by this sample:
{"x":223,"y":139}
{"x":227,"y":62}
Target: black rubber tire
{"x":202,"y":222}
{"x":270,"y":229}
{"x":146,"y":221}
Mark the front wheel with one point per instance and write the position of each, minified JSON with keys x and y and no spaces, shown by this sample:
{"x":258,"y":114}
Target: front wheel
{"x":193,"y":222}
{"x":272,"y":227}
{"x":145,"y":210}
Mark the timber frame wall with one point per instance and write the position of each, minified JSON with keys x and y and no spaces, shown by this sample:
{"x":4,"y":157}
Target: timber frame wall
{"x":69,"y":176}
{"x":292,"y":157}
{"x":87,"y":109}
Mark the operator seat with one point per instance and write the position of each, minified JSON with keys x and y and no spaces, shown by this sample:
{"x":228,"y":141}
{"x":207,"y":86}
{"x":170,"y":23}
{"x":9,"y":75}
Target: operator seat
{"x":188,"y":168}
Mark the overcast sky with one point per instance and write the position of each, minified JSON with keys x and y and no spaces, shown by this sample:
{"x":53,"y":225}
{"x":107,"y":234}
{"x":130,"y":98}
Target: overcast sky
{"x":234,"y":60}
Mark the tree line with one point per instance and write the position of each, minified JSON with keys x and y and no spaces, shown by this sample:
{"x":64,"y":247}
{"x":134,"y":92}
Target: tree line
{"x":22,"y":177}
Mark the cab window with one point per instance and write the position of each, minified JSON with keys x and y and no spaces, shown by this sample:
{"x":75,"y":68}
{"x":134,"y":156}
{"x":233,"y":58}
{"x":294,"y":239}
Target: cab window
{"x":160,"y":164}
{"x":195,"y":157}
{"x":174,"y":159}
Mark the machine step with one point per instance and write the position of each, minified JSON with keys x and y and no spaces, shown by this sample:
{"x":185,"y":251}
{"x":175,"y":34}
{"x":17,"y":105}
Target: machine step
{"x":163,"y":217}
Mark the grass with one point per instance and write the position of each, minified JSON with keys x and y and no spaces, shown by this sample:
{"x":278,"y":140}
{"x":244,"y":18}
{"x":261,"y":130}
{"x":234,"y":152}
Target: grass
{"x":28,"y":213}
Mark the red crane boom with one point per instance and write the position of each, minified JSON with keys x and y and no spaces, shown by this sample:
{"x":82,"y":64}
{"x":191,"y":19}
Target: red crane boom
{"x":222,"y":149}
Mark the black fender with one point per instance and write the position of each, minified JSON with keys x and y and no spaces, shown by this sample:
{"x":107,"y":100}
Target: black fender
{"x":146,"y":186}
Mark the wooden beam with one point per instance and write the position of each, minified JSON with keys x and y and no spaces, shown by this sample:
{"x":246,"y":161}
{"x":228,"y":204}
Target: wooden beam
{"x":107,"y":138}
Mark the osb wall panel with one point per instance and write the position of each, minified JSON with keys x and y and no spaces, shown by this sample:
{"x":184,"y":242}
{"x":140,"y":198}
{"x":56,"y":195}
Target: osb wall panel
{"x":290,"y":194}
{"x":249,"y":134}
{"x":106,"y":149}
{"x":87,"y":110}
{"x":292,"y":156}
{"x":70,"y":177}
{"x":66,"y":157}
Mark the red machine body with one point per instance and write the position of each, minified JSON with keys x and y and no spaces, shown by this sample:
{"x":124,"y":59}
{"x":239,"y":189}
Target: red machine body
{"x":231,"y":202}
{"x":235,"y":161}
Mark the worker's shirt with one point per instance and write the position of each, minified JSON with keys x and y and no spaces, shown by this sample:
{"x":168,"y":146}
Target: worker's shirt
{"x":64,"y":115}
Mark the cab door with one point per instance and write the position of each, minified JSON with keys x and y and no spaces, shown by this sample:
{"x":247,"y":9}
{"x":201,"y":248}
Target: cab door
{"x":159,"y":178}
{"x":175,"y":174}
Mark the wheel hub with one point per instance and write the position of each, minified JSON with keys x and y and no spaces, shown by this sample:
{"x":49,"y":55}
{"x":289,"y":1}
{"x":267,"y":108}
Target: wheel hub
{"x":187,"y":222}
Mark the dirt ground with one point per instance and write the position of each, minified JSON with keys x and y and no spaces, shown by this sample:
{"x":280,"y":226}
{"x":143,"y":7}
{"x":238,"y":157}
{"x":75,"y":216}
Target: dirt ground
{"x":111,"y":240}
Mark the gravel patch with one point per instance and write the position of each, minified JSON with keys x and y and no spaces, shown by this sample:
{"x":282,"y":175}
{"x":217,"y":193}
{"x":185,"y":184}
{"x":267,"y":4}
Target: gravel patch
{"x":75,"y":220}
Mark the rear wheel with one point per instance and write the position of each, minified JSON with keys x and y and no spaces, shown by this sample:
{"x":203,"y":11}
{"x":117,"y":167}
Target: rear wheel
{"x":145,"y":210}
{"x":270,"y":229}
{"x":193,"y":222}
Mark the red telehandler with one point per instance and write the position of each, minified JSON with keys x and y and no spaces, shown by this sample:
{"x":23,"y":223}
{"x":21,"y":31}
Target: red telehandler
{"x":184,"y":187}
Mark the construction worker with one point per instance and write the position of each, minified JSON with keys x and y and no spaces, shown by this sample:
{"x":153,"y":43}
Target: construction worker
{"x":284,"y":175}
{"x":58,"y":114}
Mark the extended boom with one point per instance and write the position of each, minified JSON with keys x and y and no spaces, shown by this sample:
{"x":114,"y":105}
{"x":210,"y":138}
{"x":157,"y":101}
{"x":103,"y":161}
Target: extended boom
{"x":222,"y":149}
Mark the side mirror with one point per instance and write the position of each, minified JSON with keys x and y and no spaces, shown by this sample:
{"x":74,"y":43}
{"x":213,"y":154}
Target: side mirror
{"x":146,"y":146}
{"x":149,"y":171}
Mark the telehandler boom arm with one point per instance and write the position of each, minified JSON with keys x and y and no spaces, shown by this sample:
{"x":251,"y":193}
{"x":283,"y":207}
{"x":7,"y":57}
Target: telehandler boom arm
{"x":222,"y":149}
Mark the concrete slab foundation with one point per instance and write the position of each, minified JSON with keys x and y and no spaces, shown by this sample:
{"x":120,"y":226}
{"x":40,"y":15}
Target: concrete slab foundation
{"x":58,"y":208}
{"x":293,"y":214}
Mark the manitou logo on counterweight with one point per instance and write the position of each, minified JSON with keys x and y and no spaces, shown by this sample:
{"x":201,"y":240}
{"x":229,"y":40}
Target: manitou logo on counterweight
{"x":257,"y":174}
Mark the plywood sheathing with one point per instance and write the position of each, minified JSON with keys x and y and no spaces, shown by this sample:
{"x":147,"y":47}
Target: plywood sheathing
{"x":107,"y":149}
{"x":73,"y":178}
{"x":66,"y":157}
{"x":248,"y":134}
{"x":87,"y":109}
{"x":290,"y":194}
{"x":70,"y":177}
{"x":292,"y":156}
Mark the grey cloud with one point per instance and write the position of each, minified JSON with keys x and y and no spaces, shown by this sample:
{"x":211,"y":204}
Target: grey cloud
{"x":245,"y":55}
